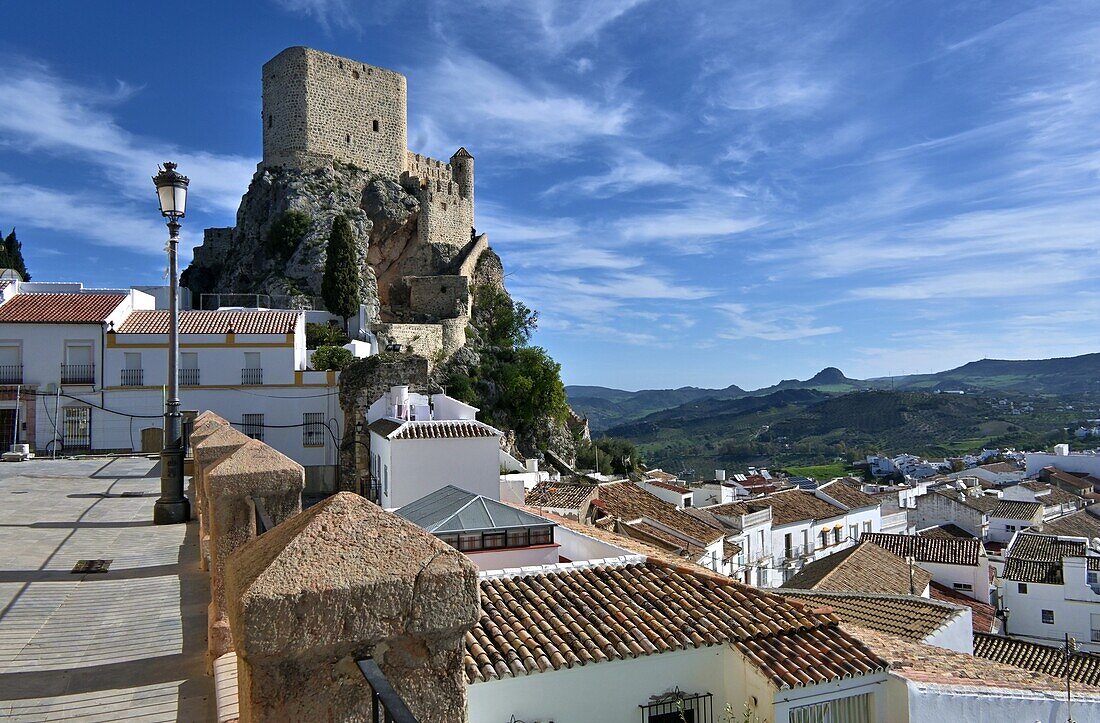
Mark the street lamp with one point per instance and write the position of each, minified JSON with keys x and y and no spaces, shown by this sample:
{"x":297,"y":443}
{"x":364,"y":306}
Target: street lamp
{"x":172,"y":507}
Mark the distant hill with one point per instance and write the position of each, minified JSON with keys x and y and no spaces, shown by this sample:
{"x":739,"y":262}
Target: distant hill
{"x":804,"y":426}
{"x":1072,"y":377}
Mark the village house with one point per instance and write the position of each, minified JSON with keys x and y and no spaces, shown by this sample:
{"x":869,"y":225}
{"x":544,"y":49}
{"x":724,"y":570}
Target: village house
{"x":960,"y":564}
{"x":863,"y":568}
{"x":968,"y":509}
{"x":1056,"y":502}
{"x":750,"y":525}
{"x":1009,"y":517}
{"x":1051,"y":587}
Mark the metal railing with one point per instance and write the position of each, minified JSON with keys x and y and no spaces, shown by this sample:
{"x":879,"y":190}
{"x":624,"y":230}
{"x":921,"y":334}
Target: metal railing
{"x":11,"y":373}
{"x":78,"y":373}
{"x":252,"y":376}
{"x":263,"y":519}
{"x":133,"y":377}
{"x":387,"y":705}
{"x":795,"y":551}
{"x":189,"y":377}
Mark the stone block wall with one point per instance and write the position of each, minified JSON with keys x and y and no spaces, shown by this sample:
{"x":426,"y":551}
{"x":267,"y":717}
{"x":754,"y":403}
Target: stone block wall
{"x":425,"y":340}
{"x":445,"y":216}
{"x":441,"y":297}
{"x":319,"y":107}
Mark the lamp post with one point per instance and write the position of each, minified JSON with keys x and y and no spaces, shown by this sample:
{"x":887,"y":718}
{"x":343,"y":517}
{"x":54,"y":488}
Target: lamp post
{"x":172,"y":507}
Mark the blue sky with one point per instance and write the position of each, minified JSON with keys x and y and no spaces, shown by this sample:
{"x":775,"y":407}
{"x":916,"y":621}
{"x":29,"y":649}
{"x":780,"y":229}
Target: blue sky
{"x":690,"y":193}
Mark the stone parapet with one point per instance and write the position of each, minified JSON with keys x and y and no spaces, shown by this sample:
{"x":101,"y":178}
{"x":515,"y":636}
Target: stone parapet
{"x":252,"y":470}
{"x":212,"y":439}
{"x":340,"y":582}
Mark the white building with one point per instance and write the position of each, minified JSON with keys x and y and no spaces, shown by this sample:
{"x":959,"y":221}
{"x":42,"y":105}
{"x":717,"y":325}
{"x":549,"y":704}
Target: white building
{"x":419,"y":444}
{"x":1010,"y":517}
{"x":1056,"y":502}
{"x":86,"y":370}
{"x":1051,"y":586}
{"x":1062,"y":458}
{"x":960,"y":564}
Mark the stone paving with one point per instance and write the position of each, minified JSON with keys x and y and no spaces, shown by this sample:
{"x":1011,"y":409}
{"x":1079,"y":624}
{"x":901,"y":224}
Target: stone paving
{"x":127,"y":644}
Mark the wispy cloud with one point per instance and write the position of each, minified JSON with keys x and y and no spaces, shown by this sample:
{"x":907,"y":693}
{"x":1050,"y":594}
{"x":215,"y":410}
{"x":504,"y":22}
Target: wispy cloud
{"x":629,"y":170}
{"x":48,"y":114}
{"x":494,"y":109}
{"x":329,"y":14}
{"x":770,"y":323}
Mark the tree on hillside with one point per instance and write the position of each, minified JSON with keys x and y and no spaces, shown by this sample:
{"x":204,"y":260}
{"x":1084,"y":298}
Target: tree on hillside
{"x":340,"y":283}
{"x":504,"y":322}
{"x":11,"y":255}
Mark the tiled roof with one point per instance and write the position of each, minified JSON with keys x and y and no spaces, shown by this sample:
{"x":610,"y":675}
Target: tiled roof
{"x":907,"y":616}
{"x":1038,"y":558}
{"x":982,"y":503}
{"x":739,"y":509}
{"x":1000,"y":467}
{"x":72,"y":308}
{"x":1049,"y":495}
{"x":948,"y":531}
{"x":1013,"y":510}
{"x":434,"y":429}
{"x":1084,"y":668}
{"x":864,"y":568}
{"x":628,"y":502}
{"x":948,"y":551}
{"x":849,"y":496}
{"x":923,"y":663}
{"x":1078,"y":524}
{"x":662,"y":538}
{"x":660,"y":474}
{"x":560,"y":620}
{"x":797,"y":504}
{"x":563,"y":495}
{"x":1083,"y":483}
{"x":981,"y":614}
{"x":667,"y":486}
{"x":213,"y":322}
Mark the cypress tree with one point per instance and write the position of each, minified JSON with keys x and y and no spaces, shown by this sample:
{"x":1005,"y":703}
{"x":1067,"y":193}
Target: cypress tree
{"x":13,"y":255}
{"x":340,"y":282}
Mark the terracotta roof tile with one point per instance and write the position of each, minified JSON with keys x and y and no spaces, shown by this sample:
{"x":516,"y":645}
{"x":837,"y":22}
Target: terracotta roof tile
{"x":1013,"y":510}
{"x":1082,"y":523}
{"x":865,"y":568}
{"x":1084,"y":482}
{"x":949,"y":551}
{"x":434,"y":429}
{"x":906,"y":616}
{"x":1038,"y":558}
{"x":981,"y":614}
{"x":795,"y":505}
{"x":212,"y":322}
{"x":948,"y":531}
{"x":550,"y":621}
{"x":924,"y":663}
{"x":563,"y":495}
{"x":627,"y":502}
{"x":82,"y":308}
{"x":849,"y":496}
{"x":1084,"y":668}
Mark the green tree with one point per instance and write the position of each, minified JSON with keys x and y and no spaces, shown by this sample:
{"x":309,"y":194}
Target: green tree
{"x":287,"y":232}
{"x":503,"y":322}
{"x":340,"y":282}
{"x":319,"y":335}
{"x":531,"y":387}
{"x":331,"y":357}
{"x":12,"y":256}
{"x":587,"y":458}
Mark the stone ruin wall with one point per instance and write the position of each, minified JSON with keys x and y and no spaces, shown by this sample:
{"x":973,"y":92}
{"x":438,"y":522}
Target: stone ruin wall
{"x":319,"y":107}
{"x":441,"y":297}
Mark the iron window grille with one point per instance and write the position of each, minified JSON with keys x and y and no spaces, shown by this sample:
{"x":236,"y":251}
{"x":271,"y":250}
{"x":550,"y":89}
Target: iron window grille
{"x":11,"y":373}
{"x":189,"y":377}
{"x":313,"y":431}
{"x":252,"y":377}
{"x":133,"y":377}
{"x":77,"y":428}
{"x":78,"y":373}
{"x":677,"y":707}
{"x":253,"y":425}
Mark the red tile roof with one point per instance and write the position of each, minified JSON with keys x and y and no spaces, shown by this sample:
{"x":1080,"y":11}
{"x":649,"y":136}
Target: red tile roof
{"x":212,"y":322}
{"x":546,"y":622}
{"x":946,"y":550}
{"x":1084,"y":667}
{"x":629,"y":502}
{"x":796,"y":505}
{"x":981,"y":614}
{"x":59,"y":308}
{"x":434,"y":429}
{"x":865,"y":568}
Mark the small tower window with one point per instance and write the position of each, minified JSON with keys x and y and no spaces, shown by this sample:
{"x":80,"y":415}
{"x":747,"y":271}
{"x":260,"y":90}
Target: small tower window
{"x":347,"y":138}
{"x":269,"y":119}
{"x":375,"y":126}
{"x":355,"y":74}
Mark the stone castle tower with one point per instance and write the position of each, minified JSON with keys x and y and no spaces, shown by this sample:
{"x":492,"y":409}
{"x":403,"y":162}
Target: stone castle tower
{"x":319,"y":108}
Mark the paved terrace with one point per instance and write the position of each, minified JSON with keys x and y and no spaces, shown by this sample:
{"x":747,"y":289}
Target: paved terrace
{"x":127,"y":644}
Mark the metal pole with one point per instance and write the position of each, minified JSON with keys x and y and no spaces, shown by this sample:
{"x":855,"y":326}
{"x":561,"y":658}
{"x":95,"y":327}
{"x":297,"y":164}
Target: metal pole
{"x":1070,"y":645}
{"x":56,"y":404}
{"x":172,"y":507}
{"x":15,"y":427}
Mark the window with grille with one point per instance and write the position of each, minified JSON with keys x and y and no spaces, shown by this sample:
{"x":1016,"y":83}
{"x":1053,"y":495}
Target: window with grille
{"x":77,"y":428}
{"x":1095,"y":626}
{"x":1048,"y":617}
{"x":1021,"y":587}
{"x":313,"y":433}
{"x":853,"y":709}
{"x":253,"y":425}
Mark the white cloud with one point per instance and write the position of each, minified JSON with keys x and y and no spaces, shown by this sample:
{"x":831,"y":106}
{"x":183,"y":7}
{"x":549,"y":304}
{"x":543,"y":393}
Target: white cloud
{"x":328,"y":14}
{"x":494,"y":109}
{"x":46,"y":114}
{"x":769,"y":323}
{"x":629,"y":170}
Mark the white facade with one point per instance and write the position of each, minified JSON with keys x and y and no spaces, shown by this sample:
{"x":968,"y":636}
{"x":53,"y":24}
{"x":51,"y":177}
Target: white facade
{"x":922,"y":702}
{"x":970,"y":580}
{"x":408,"y":469}
{"x":1072,"y":607}
{"x":1065,"y":460}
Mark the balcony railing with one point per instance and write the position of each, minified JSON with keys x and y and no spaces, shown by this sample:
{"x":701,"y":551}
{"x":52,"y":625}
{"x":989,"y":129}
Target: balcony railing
{"x":133,"y":377}
{"x":794,"y":552}
{"x":11,"y":373}
{"x":78,"y":373}
{"x":386,"y":703}
{"x":252,"y":376}
{"x":189,"y":377}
